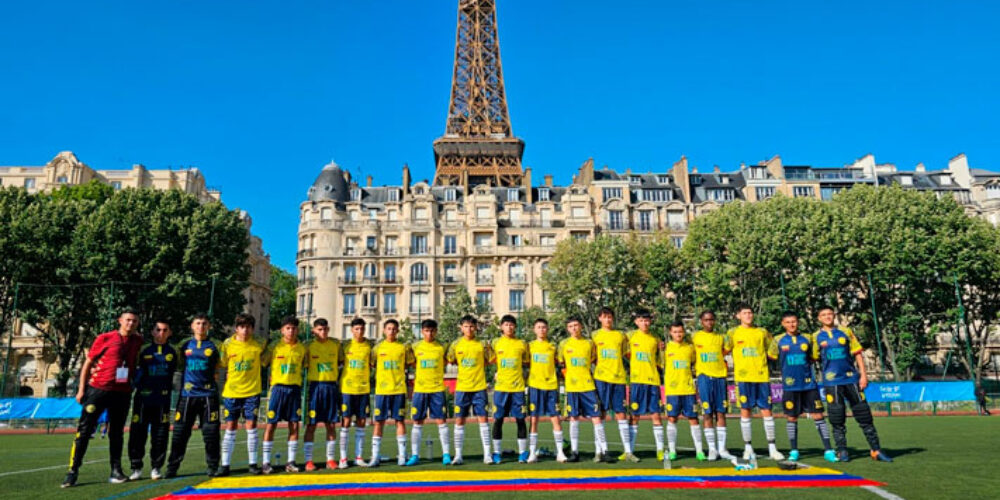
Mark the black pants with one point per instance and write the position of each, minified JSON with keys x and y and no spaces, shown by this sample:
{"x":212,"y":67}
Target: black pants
{"x":153,"y":420}
{"x":205,"y":409}
{"x":838,"y":398}
{"x":95,"y":401}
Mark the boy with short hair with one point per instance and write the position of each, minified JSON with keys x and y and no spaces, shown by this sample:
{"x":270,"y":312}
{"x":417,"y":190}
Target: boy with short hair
{"x":711,"y":370}
{"x":793,"y":351}
{"x":508,"y":388}
{"x":543,"y":390}
{"x":391,"y":359}
{"x":242,"y":358}
{"x":471,"y":356}
{"x":644,"y":377}
{"x":610,"y":377}
{"x":577,"y":355}
{"x":428,"y":391}
{"x":355,"y":391}
{"x":154,"y":381}
{"x":287,"y":360}
{"x":678,"y":366}
{"x":325,"y":355}
{"x":750,"y":372}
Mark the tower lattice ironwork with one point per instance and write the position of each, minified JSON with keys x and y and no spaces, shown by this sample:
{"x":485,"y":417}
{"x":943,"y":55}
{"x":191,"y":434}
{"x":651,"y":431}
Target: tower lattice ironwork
{"x":478,"y":145}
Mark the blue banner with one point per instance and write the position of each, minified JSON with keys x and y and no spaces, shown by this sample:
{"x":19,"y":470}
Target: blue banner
{"x":916,"y":392}
{"x":40,"y":408}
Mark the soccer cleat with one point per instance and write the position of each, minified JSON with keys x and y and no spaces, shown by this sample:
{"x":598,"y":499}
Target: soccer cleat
{"x":843,"y":456}
{"x":532,"y":458}
{"x":70,"y":480}
{"x":793,"y":455}
{"x":360,"y":462}
{"x":878,"y":456}
{"x":446,"y":459}
{"x":631,"y":458}
{"x":414,"y":460}
{"x":776,"y":455}
{"x":220,"y":472}
{"x":310,"y":466}
{"x":254,"y":470}
{"x":291,"y":467}
{"x":561,"y":457}
{"x":700,"y":456}
{"x":343,"y":464}
{"x":725,"y":455}
{"x":574,"y":456}
{"x":135,"y":475}
{"x":401,"y":460}
{"x":748,"y":452}
{"x":266,"y":469}
{"x":331,"y":464}
{"x":374,"y":462}
{"x":156,"y":475}
{"x":672,"y":456}
{"x":494,"y":460}
{"x":117,"y":476}
{"x":598,"y":457}
{"x":212,"y":471}
{"x":713,"y":455}
{"x":621,"y":458}
{"x":659,"y":455}
{"x":830,"y":455}
{"x":523,"y":457}
{"x":608,"y":459}
{"x":457,"y":460}
{"x":172,"y":473}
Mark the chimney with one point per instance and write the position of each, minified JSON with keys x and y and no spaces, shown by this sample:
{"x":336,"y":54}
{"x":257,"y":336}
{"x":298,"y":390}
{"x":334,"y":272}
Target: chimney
{"x":716,"y":170}
{"x":527,"y":186}
{"x":548,"y":180}
{"x":368,"y":181}
{"x":406,"y":179}
{"x":681,"y":178}
{"x":920,"y":168}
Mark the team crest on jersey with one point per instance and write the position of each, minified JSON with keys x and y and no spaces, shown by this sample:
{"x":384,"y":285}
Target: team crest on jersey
{"x":804,"y":347}
{"x":169,"y":357}
{"x":208,"y":352}
{"x":842,"y":340}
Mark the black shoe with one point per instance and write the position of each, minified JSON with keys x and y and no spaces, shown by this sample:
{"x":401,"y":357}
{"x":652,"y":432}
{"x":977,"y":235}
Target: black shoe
{"x":212,"y":471}
{"x":573,"y":457}
{"x":608,"y":459}
{"x":254,"y":470}
{"x":70,"y":480}
{"x":117,"y":476}
{"x":171,"y":473}
{"x":266,"y":469}
{"x":222,"y":471}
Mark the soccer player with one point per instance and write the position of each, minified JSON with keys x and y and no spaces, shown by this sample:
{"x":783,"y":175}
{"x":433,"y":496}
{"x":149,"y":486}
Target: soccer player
{"x":355,"y":391}
{"x":750,"y":372}
{"x":242,"y":360}
{"x":391,"y":358}
{"x":429,"y":391}
{"x":644,"y":375}
{"x":287,"y":360}
{"x":471,"y":356}
{"x":105,"y":384}
{"x":508,"y":389}
{"x":199,"y":356}
{"x":793,"y":350}
{"x":154,"y":381}
{"x":543,"y":390}
{"x":325,"y":355}
{"x":679,"y":360}
{"x":611,"y":377}
{"x":578,"y":355}
{"x":710,"y":367}
{"x":844,"y":380}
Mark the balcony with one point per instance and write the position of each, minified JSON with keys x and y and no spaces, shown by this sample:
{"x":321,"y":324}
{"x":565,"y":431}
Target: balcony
{"x":646,"y":227}
{"x":420,"y":310}
{"x":484,"y":250}
{"x":369,"y":280}
{"x":453,"y":224}
{"x":678,"y":226}
{"x":419,"y":250}
{"x":309,"y":252}
{"x":419,"y":280}
{"x":347,"y":280}
{"x":391,"y":251}
{"x":369,"y":310}
{"x":321,"y":224}
{"x":348,"y":313}
{"x":361,"y":224}
{"x":307,"y":281}
{"x":580,"y":222}
{"x":484,"y":280}
{"x":612,"y":225}
{"x":390,"y":280}
{"x":517,"y":279}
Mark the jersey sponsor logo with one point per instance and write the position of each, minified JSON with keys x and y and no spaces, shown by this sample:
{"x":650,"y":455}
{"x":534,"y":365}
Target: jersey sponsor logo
{"x":390,"y":365}
{"x":540,"y":358}
{"x":324,"y":367}
{"x":795,"y":360}
{"x":428,"y":363}
{"x":356,"y":364}
{"x":242,"y":366}
{"x":468,"y":363}
{"x":709,"y":357}
{"x":508,"y":363}
{"x":749,"y":352}
{"x":287,"y":369}
{"x":644,"y":356}
{"x":681,"y":364}
{"x":579,"y":362}
{"x":609,"y":354}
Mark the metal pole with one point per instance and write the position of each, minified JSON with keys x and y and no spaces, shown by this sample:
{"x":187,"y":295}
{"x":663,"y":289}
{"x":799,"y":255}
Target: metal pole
{"x":784,"y":295}
{"x":111,"y":303}
{"x":211,"y":297}
{"x":878,"y":334}
{"x":10,"y":342}
{"x":962,"y":326}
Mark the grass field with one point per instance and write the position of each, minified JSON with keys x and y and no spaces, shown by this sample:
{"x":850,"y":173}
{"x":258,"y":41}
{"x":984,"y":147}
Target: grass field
{"x":943,"y":457}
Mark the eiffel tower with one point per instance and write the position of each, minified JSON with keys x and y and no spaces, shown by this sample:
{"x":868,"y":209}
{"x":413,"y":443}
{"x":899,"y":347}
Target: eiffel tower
{"x":478,"y":146}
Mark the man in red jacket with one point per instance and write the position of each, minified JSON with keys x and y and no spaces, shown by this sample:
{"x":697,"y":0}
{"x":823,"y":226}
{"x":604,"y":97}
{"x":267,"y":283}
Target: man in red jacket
{"x":105,"y":384}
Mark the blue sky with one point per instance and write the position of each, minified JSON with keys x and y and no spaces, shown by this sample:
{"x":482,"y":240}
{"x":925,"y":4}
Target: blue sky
{"x":260,"y":95}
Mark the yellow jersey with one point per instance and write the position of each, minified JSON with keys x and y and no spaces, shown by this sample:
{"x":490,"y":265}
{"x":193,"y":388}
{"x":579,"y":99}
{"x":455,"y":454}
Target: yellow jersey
{"x":355,"y":378}
{"x":243,"y":361}
{"x":612,"y":349}
{"x":542,"y":372}
{"x":430,"y":363}
{"x":644,"y":358}
{"x":471,"y":356}
{"x":578,"y":355}
{"x":511,"y":354}
{"x":679,"y":359}
{"x":391,"y":359}
{"x":287,"y":361}
{"x":750,"y":346}
{"x":710,"y":350}
{"x":324,"y":360}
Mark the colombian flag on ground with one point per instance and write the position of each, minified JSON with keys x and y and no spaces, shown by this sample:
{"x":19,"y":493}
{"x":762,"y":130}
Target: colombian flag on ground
{"x":452,"y":481}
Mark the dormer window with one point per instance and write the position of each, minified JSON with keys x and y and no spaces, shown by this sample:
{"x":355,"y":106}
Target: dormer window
{"x":450,"y":194}
{"x":945,"y":180}
{"x":512,"y":194}
{"x":543,"y":194}
{"x":611,"y":193}
{"x":393,"y":195}
{"x":634,"y":179}
{"x":906,"y":180}
{"x":418,"y":190}
{"x":355,"y":195}
{"x":663,"y":179}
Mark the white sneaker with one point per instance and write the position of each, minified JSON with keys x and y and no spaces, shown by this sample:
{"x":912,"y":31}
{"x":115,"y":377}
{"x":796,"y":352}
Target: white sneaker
{"x":374,"y":462}
{"x":400,"y":460}
{"x":457,"y":460}
{"x":532,"y":458}
{"x":713,"y":455}
{"x":136,"y":475}
{"x":775,"y":454}
{"x":343,"y":464}
{"x":725,"y":455}
{"x":360,"y":462}
{"x":561,"y":457}
{"x":156,"y":475}
{"x":748,"y":452}
{"x":487,"y":459}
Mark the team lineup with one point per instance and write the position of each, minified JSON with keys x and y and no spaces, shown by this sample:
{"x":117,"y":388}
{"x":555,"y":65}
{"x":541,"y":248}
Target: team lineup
{"x":626,"y":376}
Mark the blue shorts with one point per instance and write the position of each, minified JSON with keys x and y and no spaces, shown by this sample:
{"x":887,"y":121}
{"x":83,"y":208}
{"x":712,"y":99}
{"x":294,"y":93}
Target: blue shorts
{"x":713,"y":393}
{"x":324,"y":402}
{"x":390,"y":407}
{"x":751,"y":394}
{"x":582,"y":404}
{"x":681,"y":405}
{"x":355,"y":406}
{"x":470,"y":402}
{"x":428,"y":403}
{"x":285,"y":403}
{"x":542,"y":403}
{"x":611,"y":396}
{"x":508,"y":404}
{"x":645,"y":399}
{"x":234,"y":408}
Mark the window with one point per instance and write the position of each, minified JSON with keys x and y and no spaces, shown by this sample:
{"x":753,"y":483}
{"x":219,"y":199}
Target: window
{"x":676,"y":219}
{"x":579,"y":235}
{"x":450,"y":273}
{"x":516,"y":240}
{"x":663,"y":179}
{"x":372,"y":214}
{"x":678,"y":241}
{"x":545,"y":300}
{"x":369,"y":272}
{"x":547,"y":240}
{"x":419,"y":303}
{"x":349,"y":303}
{"x":392,"y":215}
{"x":355,"y":215}
{"x":62,"y":179}
{"x":350,"y":274}
{"x":418,"y":244}
{"x":611,"y":193}
{"x":325,"y":213}
{"x":418,"y":273}
{"x":450,"y":194}
{"x":484,"y":274}
{"x":482,"y":212}
{"x":393,"y":195}
{"x":515,"y":217}
{"x":372,"y":330}
{"x":516,"y":300}
{"x":418,"y":190}
{"x":484,"y":298}
{"x":827,"y":192}
{"x":578,"y":212}
{"x":720,"y":194}
{"x":543,"y":194}
{"x":545,"y":215}
{"x":646,"y":220}
{"x":657,"y":195}
{"x":765,"y":192}
{"x":355,"y":195}
{"x":390,"y":273}
{"x":389,"y":303}
{"x":29,"y":183}
{"x":369,"y":301}
{"x":515,"y":273}
{"x":370,"y":243}
{"x":420,"y":213}
{"x":803,"y":192}
{"x":758,"y":173}
{"x":944,"y":180}
{"x":615,"y":220}
{"x":634,"y":180}
{"x":483,"y":240}
{"x":906,"y":180}
{"x":450,"y":247}
{"x":993,"y":191}
{"x":512,"y":194}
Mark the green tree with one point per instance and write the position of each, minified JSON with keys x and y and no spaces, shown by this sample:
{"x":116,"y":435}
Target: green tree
{"x":978,"y":275}
{"x":283,"y":286}
{"x":452,"y":311}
